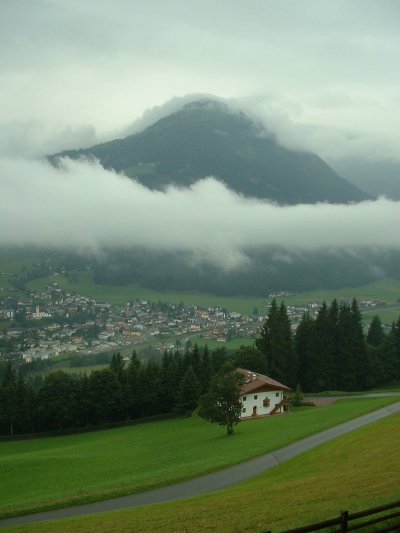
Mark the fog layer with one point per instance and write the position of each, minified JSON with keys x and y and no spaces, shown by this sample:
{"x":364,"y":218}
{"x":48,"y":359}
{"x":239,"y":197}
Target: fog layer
{"x":84,"y":207}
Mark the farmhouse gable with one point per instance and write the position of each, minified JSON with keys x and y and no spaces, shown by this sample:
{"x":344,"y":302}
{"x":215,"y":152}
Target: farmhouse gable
{"x":261,"y":395}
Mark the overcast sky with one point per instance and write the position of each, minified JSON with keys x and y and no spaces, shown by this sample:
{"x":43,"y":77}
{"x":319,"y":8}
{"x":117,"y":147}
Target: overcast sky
{"x":324,"y":74}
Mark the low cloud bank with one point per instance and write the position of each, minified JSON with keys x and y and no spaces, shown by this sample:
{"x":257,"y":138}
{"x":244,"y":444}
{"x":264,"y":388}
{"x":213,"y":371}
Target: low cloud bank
{"x":84,"y":207}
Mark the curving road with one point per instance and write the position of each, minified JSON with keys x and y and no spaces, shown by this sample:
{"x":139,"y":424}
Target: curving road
{"x":210,"y":482}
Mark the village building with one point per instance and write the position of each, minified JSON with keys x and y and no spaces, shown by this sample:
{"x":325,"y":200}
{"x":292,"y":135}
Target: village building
{"x":261,"y":395}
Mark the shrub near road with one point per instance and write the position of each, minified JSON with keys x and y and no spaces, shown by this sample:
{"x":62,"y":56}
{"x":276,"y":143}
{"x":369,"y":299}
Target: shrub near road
{"x":59,"y":471}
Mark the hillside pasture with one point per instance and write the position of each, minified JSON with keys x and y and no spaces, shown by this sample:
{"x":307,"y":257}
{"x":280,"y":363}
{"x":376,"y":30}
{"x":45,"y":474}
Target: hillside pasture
{"x":353,"y":472}
{"x":56,"y":472}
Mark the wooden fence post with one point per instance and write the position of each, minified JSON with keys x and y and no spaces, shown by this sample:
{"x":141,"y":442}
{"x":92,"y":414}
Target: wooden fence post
{"x":344,"y":516}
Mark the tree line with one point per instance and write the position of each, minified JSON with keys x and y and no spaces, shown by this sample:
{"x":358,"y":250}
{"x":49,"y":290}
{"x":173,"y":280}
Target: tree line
{"x":123,"y":391}
{"x":328,"y":352}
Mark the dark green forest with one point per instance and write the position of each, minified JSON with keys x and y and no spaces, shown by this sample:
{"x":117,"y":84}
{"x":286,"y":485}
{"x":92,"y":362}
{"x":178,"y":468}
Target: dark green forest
{"x":267,"y":270}
{"x":330,"y":352}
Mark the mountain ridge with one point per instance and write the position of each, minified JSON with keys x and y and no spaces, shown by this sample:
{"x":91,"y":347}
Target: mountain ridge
{"x":206,"y":137}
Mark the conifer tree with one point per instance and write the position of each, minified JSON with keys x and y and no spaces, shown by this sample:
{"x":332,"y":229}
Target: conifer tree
{"x":352,"y":355}
{"x":169,"y":381}
{"x":304,"y":348}
{"x":117,"y":366}
{"x":133,"y":382}
{"x":376,"y":334}
{"x":8,"y":398}
{"x":276,"y":343}
{"x":189,"y":392}
{"x":250,"y":358}
{"x":205,"y":373}
{"x":392,"y":349}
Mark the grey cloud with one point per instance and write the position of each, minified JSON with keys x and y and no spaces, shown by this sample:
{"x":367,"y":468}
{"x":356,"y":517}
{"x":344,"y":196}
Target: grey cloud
{"x":84,"y":207}
{"x":67,"y":62}
{"x":34,"y":139}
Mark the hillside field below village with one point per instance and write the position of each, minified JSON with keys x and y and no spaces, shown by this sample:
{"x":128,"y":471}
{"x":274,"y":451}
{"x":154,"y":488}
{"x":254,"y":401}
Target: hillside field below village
{"x":56,"y":472}
{"x":353,"y":472}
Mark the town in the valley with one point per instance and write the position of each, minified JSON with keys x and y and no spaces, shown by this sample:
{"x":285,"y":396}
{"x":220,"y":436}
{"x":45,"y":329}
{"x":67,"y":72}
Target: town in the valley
{"x":52,"y":322}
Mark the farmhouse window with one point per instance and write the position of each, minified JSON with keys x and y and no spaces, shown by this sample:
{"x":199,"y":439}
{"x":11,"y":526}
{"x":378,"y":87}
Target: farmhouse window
{"x":255,"y":396}
{"x":244,"y":398}
{"x":277,"y":394}
{"x":266,"y":402}
{"x":244,"y":410}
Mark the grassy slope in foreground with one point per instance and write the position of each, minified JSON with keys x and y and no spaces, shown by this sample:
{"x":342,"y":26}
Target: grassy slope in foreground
{"x":355,"y":471}
{"x":60,"y":471}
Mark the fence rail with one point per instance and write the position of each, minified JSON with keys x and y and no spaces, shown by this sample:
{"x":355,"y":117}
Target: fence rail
{"x":363,"y":526}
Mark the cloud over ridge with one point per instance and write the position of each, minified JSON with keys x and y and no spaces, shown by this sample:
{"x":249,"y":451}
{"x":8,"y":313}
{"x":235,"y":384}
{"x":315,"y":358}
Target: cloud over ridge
{"x":82,"y":206}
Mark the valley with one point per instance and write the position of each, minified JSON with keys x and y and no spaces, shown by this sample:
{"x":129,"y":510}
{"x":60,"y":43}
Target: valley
{"x":66,"y":312}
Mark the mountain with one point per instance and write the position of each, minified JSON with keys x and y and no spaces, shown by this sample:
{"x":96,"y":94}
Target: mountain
{"x":207,"y":138}
{"x":378,"y":177}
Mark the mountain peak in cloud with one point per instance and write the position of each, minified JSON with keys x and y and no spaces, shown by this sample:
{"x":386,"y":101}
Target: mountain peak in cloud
{"x":204,"y":136}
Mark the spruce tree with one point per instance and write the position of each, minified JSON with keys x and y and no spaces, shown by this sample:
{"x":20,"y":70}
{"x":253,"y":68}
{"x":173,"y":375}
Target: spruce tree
{"x":189,"y":393}
{"x":205,"y":372}
{"x":352,"y":354}
{"x":8,"y":398}
{"x":376,"y":334}
{"x":304,"y":349}
{"x":276,"y":343}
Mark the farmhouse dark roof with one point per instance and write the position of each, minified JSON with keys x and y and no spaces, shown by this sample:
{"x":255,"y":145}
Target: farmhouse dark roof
{"x":254,"y":381}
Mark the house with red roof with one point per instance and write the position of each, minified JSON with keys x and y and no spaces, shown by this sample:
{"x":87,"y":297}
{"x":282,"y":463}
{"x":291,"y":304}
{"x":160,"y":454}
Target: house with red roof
{"x":261,"y":395}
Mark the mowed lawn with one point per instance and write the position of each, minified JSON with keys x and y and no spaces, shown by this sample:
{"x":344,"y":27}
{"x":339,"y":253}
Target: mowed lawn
{"x":356,"y":471}
{"x":59,"y":471}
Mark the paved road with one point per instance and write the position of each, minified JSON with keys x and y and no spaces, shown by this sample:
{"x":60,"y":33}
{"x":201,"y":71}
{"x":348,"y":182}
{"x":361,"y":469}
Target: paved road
{"x":210,"y":482}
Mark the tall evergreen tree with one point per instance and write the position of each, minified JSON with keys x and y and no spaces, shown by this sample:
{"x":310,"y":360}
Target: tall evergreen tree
{"x":276,"y":343}
{"x":250,"y":358}
{"x":304,"y":348}
{"x":352,"y":354}
{"x":58,"y":403}
{"x":133,"y":385}
{"x":105,"y":397}
{"x":169,"y":381}
{"x":149,"y":389}
{"x":189,"y":392}
{"x":8,"y":398}
{"x":117,"y":366}
{"x":290,"y":360}
{"x":393,"y":352}
{"x":376,"y":333}
{"x":205,"y":372}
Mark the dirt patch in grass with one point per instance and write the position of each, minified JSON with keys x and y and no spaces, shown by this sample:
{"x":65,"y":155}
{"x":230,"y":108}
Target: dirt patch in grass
{"x":322,"y":400}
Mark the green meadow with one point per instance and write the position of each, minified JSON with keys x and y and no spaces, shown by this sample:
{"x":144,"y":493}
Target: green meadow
{"x":353,"y":472}
{"x":120,"y":294}
{"x":386,"y":291}
{"x":56,"y":472}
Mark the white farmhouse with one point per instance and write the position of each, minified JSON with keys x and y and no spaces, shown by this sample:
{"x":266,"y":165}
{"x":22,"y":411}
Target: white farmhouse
{"x":261,"y":395}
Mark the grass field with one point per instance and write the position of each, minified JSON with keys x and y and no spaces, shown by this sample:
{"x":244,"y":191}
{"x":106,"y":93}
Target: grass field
{"x":119,"y":294}
{"x":353,"y":472}
{"x":386,"y":290}
{"x":60,"y":471}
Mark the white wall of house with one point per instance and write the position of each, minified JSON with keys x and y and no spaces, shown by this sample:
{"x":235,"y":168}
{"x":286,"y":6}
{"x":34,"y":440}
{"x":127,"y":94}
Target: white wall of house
{"x":256,"y":403}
